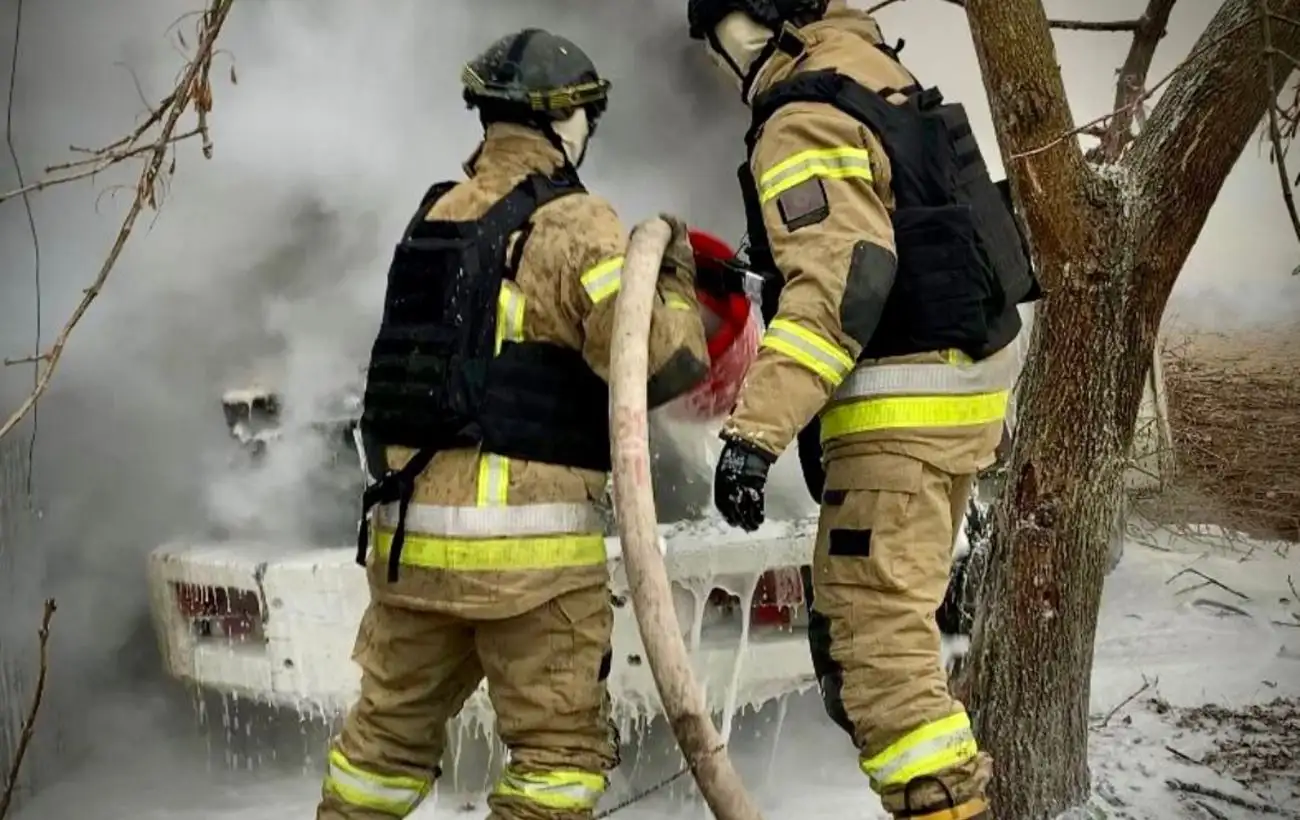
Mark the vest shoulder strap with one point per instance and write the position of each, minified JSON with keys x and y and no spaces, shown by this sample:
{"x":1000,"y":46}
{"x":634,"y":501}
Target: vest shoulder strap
{"x":869,"y":107}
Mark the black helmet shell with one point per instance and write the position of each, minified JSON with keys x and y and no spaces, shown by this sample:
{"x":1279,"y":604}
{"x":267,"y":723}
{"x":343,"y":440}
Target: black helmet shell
{"x":703,"y":15}
{"x":537,"y":70}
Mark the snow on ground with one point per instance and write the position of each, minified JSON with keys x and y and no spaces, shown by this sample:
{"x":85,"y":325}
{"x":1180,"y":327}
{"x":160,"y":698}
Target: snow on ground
{"x":1196,"y":689}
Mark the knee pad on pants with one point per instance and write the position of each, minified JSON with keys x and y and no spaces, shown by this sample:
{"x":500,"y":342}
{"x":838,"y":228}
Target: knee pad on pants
{"x":830,"y":676}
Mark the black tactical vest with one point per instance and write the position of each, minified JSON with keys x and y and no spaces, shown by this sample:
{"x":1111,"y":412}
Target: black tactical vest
{"x":435,"y":379}
{"x":963,"y":262}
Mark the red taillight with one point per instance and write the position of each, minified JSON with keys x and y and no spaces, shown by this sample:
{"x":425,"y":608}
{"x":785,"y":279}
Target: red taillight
{"x":228,"y":612}
{"x":779,"y":593}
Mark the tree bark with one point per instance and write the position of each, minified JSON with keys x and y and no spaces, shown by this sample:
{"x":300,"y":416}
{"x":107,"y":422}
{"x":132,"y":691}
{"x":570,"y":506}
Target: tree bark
{"x":1109,"y":244}
{"x":638,"y":530}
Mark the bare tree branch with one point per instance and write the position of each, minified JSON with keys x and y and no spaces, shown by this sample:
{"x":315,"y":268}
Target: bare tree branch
{"x":1130,"y":88}
{"x":100,"y":161}
{"x":193,"y":89}
{"x":31,"y":227}
{"x":1197,"y":131}
{"x":1064,"y":25}
{"x":29,"y":722}
{"x":1032,"y":112}
{"x":1098,"y":126}
{"x":1274,"y":122}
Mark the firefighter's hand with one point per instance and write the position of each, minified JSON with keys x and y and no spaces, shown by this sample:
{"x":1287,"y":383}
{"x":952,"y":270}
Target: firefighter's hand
{"x":679,"y":256}
{"x":739,"y":484}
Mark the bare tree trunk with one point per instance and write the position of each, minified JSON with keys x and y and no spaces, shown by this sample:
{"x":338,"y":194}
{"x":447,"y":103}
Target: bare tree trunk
{"x":1109,"y":245}
{"x":682,"y":698}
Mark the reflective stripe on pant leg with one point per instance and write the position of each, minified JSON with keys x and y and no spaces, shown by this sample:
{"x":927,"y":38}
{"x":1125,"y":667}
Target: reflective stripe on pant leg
{"x":562,"y":789}
{"x":391,"y":794}
{"x":928,"y":750}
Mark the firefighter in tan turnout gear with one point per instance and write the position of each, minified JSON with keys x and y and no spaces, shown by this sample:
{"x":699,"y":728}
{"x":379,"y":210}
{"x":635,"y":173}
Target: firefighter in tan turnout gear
{"x":486,"y":400}
{"x":895,"y":267}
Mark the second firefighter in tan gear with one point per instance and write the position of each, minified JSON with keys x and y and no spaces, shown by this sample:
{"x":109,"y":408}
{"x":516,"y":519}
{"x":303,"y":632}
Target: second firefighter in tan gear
{"x":503,"y":573}
{"x":902,"y":435}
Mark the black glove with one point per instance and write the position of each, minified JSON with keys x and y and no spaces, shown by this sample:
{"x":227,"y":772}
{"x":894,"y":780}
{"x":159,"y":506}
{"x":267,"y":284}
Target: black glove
{"x":739,"y":482}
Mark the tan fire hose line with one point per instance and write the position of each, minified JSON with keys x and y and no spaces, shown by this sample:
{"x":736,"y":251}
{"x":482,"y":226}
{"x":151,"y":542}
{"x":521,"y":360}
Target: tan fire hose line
{"x":638,"y":528}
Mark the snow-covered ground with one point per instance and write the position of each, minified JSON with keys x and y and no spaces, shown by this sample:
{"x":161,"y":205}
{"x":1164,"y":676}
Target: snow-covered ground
{"x":1196,"y":688}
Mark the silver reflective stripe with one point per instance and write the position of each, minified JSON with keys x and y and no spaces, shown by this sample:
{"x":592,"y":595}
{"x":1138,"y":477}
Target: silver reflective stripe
{"x":395,"y":800}
{"x":488,"y":522}
{"x":994,"y":373}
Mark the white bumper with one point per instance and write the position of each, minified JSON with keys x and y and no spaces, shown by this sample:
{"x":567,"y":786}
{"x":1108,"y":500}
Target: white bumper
{"x":308,"y":603}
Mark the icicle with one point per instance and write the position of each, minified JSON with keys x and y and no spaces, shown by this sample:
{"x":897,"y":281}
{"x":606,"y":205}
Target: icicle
{"x":783,"y":706}
{"x":733,"y":688}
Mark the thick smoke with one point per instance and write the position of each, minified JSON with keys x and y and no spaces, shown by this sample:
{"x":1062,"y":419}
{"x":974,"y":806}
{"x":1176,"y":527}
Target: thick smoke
{"x":266,"y":263}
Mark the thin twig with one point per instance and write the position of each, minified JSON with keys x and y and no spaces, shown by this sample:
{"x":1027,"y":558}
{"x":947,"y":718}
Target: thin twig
{"x":1230,"y":799}
{"x":1184,"y":757}
{"x":39,"y":357}
{"x":189,"y":90}
{"x":29,"y":722}
{"x":1146,"y":684}
{"x":1132,"y":81}
{"x":1274,"y":124}
{"x":1064,"y":25}
{"x":36,"y":239}
{"x":1207,"y":579}
{"x":1141,"y":98}
{"x":93,"y":166}
{"x":637,"y":797}
{"x":1211,"y":810}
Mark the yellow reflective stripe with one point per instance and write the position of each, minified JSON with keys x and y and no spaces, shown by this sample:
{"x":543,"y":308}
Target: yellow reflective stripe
{"x":390,"y":794}
{"x":603,"y":280}
{"x":510,"y":315}
{"x":560,"y":789}
{"x":926,"y":751}
{"x":829,"y":163}
{"x":889,"y":412}
{"x":494,"y":470}
{"x":485,"y":554}
{"x":493,"y":480}
{"x":820,"y":355}
{"x":676,"y":301}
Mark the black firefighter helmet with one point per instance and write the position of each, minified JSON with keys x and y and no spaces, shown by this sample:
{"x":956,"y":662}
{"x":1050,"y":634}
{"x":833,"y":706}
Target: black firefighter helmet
{"x":703,"y":15}
{"x":536,"y":73}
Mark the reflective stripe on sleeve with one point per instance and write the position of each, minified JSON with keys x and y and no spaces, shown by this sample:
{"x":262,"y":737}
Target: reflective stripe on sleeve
{"x":925,"y":751}
{"x":827,"y":163}
{"x":603,"y":280}
{"x":676,"y":301}
{"x":820,"y":355}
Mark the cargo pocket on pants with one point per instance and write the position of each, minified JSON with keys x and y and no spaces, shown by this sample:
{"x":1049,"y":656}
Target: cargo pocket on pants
{"x":579,"y":648}
{"x":867,"y":500}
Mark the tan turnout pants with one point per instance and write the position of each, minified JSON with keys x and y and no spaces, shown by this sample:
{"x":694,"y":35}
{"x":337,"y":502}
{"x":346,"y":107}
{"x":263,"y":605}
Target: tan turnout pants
{"x":880,"y":570}
{"x":545,"y":672}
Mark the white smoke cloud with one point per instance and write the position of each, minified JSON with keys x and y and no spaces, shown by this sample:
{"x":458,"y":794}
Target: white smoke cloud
{"x":267,"y":262}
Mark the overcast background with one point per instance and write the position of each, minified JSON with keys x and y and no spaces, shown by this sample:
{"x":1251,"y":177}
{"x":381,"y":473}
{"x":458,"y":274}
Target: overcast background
{"x":268,"y":261}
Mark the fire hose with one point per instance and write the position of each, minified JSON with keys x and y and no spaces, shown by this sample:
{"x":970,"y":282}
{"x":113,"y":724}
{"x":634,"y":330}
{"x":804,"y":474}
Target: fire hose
{"x":638,"y":528}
